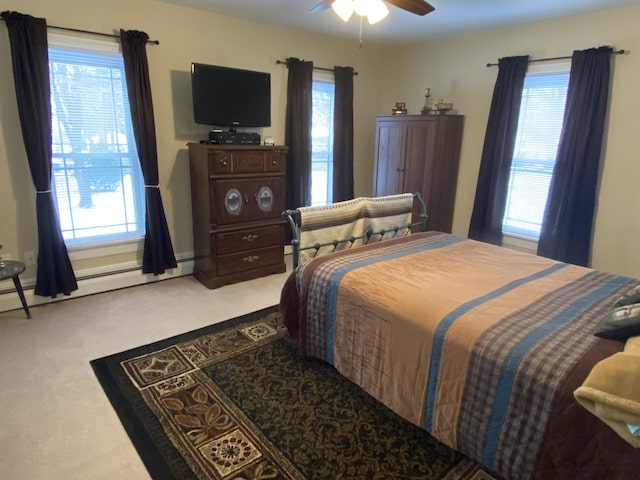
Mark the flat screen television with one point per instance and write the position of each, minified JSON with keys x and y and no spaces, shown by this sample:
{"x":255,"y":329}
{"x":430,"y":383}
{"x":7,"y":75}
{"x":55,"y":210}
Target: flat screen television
{"x":230,"y":97}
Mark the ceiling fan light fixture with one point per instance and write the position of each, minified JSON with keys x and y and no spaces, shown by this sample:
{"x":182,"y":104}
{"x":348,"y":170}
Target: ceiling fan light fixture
{"x":361,"y":7}
{"x":377,"y":11}
{"x":344,"y":9}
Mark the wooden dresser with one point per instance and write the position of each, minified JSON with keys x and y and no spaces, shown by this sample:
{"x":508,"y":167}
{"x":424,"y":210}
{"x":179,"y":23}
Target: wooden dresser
{"x":237,"y":197}
{"x":420,"y":153}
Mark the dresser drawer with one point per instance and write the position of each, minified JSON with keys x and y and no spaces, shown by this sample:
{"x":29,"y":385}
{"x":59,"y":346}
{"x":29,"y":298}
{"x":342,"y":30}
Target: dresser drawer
{"x":219,"y":161}
{"x":247,"y":161}
{"x":249,"y":239}
{"x":250,"y":259}
{"x":276,"y":161}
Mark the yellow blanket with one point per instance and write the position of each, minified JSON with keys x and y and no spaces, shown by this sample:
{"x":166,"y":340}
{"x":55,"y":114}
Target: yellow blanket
{"x":612,"y":392}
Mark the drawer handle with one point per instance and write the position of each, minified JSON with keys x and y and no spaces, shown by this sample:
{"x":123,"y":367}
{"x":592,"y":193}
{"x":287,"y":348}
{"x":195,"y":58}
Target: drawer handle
{"x":224,"y":162}
{"x":250,"y":258}
{"x":274,"y":162}
{"x":251,"y":237}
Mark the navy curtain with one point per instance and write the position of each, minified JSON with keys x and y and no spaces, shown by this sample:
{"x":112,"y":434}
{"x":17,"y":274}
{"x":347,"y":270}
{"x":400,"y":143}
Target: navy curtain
{"x":497,"y":153}
{"x":298,"y":132}
{"x":568,"y":218}
{"x":30,"y":59}
{"x":343,"y":135}
{"x":158,"y":251}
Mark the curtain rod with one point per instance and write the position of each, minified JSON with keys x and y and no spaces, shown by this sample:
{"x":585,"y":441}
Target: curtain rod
{"x":111,"y":35}
{"x":615,"y":52}
{"x":280,"y":62}
{"x":153,"y":42}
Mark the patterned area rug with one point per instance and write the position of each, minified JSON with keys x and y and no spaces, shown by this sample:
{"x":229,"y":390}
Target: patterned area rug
{"x":236,"y":401}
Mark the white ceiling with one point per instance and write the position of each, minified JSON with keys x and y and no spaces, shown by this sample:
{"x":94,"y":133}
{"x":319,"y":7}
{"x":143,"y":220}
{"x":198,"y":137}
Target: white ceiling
{"x":450,"y":16}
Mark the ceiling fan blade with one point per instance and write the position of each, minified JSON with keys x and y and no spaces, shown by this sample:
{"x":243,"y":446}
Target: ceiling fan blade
{"x":322,"y":6}
{"x":419,"y":7}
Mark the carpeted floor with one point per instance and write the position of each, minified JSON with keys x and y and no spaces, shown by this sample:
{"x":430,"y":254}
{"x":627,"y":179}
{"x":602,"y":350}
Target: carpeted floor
{"x":236,"y":401}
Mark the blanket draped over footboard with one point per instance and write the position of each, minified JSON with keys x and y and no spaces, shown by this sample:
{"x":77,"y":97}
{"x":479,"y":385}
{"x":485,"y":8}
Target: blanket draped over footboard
{"x":479,"y":345}
{"x":353,"y":218}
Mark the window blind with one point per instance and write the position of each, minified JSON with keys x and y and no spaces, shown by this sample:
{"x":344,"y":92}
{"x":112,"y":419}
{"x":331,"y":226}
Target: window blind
{"x":539,"y":129}
{"x":323,"y":93}
{"x":97,"y":179}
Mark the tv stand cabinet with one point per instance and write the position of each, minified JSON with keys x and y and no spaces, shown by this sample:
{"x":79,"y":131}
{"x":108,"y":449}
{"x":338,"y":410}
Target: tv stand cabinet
{"x":237,"y":196}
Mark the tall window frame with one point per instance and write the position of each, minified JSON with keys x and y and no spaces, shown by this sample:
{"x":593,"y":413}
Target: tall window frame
{"x":323,"y":104}
{"x":97,"y":180}
{"x":539,"y":129}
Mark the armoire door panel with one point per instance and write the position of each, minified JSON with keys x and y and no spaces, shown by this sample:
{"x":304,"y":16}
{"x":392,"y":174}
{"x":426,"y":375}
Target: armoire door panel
{"x":420,"y":146}
{"x":389,"y":167}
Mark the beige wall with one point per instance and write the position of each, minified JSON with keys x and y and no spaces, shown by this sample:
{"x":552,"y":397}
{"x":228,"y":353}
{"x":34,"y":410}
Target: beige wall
{"x":185,"y":35}
{"x":455,"y":69}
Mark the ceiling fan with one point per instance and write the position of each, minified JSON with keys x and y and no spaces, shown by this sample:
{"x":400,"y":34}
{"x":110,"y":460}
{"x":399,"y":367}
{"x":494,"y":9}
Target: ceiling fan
{"x":374,"y":10}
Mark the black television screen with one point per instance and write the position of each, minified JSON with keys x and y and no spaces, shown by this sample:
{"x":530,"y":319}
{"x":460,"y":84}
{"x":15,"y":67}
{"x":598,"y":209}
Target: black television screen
{"x":230,"y":97}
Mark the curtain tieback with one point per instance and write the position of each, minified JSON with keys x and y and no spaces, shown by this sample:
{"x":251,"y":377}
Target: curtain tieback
{"x":152,"y":186}
{"x":44,"y":191}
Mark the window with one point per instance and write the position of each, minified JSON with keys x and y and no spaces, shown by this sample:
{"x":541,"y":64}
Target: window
{"x":97,"y":181}
{"x":539,"y":128}
{"x":323,"y":92}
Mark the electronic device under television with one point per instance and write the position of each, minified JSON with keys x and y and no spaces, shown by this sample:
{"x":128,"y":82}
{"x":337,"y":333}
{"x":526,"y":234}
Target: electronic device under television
{"x":230,"y":97}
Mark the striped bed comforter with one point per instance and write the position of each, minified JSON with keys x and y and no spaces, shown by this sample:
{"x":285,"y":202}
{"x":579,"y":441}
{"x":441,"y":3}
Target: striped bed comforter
{"x":480,"y":345}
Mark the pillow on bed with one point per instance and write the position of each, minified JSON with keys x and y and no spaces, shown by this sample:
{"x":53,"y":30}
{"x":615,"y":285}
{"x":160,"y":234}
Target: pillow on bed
{"x":628,"y":299}
{"x":621,"y":323}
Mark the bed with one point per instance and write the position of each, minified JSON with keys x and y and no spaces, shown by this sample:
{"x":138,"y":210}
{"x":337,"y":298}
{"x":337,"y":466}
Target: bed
{"x":480,"y":345}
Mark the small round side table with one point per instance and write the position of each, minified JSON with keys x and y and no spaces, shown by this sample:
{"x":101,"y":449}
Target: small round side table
{"x":12,"y":269}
